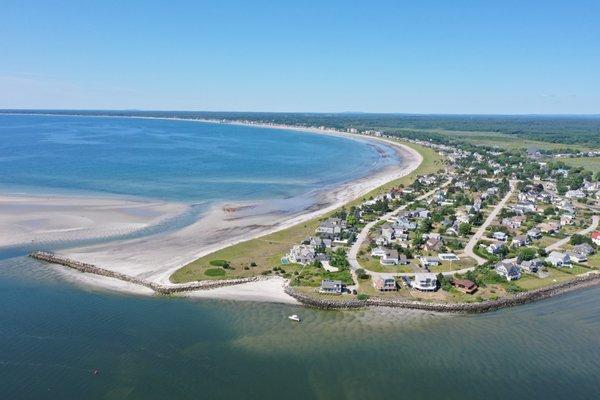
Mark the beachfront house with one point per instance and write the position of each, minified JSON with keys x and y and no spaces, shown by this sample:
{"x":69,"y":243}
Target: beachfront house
{"x":508,"y":269}
{"x":583,"y":248}
{"x":425,"y":282}
{"x":331,"y":287}
{"x":577,"y":257}
{"x":465,"y":286}
{"x":559,"y":259}
{"x":385,"y":284}
{"x":302,"y":254}
{"x":531,"y":266}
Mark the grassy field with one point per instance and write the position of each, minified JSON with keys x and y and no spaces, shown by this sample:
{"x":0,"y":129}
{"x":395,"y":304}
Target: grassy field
{"x":589,"y":163}
{"x":500,"y":140}
{"x":257,"y":256}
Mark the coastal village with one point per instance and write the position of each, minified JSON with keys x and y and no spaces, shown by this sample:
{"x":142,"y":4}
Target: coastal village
{"x":483,"y":225}
{"x":490,"y":223}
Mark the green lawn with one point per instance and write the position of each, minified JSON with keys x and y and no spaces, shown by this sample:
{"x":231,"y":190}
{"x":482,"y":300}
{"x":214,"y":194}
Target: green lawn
{"x":529,"y":282}
{"x":267,"y":251}
{"x":589,"y":163}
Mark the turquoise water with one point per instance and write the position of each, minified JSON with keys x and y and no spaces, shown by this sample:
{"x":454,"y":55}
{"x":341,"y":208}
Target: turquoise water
{"x":53,"y":335}
{"x":176,"y":160}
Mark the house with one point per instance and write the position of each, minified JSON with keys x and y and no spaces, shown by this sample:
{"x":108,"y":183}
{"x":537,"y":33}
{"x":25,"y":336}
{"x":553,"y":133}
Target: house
{"x":378,"y":252}
{"x":576,"y":256}
{"x":575,"y":194}
{"x":426,"y":282}
{"x":387,"y":232}
{"x":584,"y":249}
{"x":381,"y":241}
{"x":465,"y":286}
{"x":389,"y":258}
{"x":494,"y":248}
{"x":331,"y":226}
{"x":520,"y":241}
{"x":550,"y":227}
{"x":508,"y":269}
{"x":385,"y":284}
{"x":558,"y":259}
{"x":429,"y":261}
{"x":567,"y":219}
{"x":531,"y":266}
{"x":596,"y":237}
{"x":501,"y":236}
{"x":448,"y":257}
{"x":514,"y":222}
{"x":406,"y":224}
{"x":331,"y":287}
{"x":302,"y":254}
{"x":433,"y":244}
{"x":534,"y":233}
{"x":420,"y":213}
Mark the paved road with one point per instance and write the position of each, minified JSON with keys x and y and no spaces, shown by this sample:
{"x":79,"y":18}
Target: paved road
{"x":468,"y":251}
{"x":589,"y":229}
{"x":364,"y":233}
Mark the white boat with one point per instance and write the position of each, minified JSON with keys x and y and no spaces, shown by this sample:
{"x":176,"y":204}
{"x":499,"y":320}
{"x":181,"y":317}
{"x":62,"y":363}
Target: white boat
{"x":294,"y":318}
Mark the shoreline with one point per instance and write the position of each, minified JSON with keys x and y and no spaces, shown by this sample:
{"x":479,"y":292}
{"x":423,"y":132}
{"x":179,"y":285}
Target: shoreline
{"x":124,"y":260}
{"x":276,"y":289}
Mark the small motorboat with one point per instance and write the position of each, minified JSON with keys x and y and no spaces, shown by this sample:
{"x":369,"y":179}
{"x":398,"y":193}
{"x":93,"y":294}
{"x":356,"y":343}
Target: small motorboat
{"x":294,"y":317}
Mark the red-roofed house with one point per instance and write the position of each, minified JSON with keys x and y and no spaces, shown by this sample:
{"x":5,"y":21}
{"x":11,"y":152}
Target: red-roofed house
{"x":596,"y":237}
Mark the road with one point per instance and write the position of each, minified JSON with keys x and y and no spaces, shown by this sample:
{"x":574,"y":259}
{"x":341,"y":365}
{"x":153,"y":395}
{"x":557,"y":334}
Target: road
{"x":468,"y":251}
{"x":364,"y":233}
{"x":562,"y":242}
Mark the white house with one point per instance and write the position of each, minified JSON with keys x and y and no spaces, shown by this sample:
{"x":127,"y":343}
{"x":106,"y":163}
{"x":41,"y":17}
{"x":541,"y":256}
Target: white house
{"x":508,"y":269}
{"x":559,"y":259}
{"x":378,"y":252}
{"x":425,"y":282}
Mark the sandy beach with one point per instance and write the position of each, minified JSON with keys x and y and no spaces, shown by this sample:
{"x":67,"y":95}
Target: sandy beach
{"x":156,"y":257}
{"x":45,"y":219}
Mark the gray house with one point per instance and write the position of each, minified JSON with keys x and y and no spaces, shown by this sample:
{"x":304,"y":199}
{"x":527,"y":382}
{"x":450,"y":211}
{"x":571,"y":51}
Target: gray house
{"x":331,"y":287}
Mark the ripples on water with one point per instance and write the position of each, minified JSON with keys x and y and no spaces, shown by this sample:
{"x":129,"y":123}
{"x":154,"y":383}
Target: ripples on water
{"x":53,"y":334}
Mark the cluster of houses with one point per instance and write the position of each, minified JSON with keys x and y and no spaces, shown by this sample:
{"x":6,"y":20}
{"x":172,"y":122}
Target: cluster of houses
{"x":424,"y":282}
{"x":512,"y":269}
{"x":328,"y":235}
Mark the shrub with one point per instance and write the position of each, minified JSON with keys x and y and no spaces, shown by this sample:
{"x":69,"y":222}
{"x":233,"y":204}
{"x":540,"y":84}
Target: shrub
{"x":362,"y":296}
{"x":214,"y":272}
{"x":219,"y":263}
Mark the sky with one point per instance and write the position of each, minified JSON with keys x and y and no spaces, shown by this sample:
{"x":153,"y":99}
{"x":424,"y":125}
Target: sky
{"x":448,"y":57}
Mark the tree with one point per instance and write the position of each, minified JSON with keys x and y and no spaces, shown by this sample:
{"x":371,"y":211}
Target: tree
{"x":361,"y":274}
{"x":445,"y":282}
{"x":526,"y":254}
{"x":580,"y":239}
{"x":351,"y":219}
{"x":464,"y":229}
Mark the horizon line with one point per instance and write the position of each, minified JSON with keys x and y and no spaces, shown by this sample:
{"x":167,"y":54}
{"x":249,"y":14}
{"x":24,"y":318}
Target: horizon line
{"x":35,"y":110}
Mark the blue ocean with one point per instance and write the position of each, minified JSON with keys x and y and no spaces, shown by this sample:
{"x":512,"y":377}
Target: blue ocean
{"x":175,"y":160}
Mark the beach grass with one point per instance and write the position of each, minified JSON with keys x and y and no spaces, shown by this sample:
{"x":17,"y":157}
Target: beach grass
{"x":258,"y":256}
{"x":589,"y":163}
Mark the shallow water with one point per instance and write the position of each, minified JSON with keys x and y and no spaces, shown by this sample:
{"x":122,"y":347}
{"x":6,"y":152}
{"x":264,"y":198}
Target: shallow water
{"x":54,"y":334}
